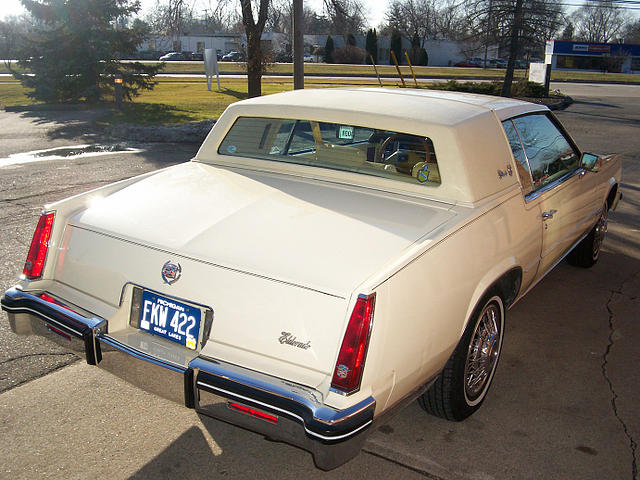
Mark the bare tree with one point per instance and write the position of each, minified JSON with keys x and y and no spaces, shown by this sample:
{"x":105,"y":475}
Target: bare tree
{"x":514,"y":24}
{"x":449,"y":21}
{"x":599,"y":21}
{"x":347,"y":16}
{"x":255,"y":55}
{"x":220,"y":16}
{"x":632,"y":32}
{"x":412,"y":18}
{"x":14,"y":31}
{"x":171,"y":17}
{"x":426,"y":19}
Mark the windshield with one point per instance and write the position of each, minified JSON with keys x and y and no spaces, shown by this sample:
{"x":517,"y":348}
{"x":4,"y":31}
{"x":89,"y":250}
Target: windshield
{"x":382,"y":153}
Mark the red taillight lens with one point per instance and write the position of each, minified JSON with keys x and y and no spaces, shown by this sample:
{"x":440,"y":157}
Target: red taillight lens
{"x":38,"y":251}
{"x":350,"y":364}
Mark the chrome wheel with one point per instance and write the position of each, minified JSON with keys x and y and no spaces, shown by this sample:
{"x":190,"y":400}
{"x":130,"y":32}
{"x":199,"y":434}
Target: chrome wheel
{"x":598,"y":233}
{"x":466,"y":378}
{"x":483,"y":353}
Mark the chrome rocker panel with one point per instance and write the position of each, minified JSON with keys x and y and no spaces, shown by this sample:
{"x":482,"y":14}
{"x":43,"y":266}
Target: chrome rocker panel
{"x":208,"y":385}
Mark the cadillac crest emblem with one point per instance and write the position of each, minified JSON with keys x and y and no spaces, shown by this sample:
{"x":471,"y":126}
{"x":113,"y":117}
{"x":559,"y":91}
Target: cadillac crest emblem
{"x":171,"y":272}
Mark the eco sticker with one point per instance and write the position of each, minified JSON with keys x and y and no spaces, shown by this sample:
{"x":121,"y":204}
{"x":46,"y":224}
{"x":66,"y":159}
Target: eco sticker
{"x":423,"y":174}
{"x":232,"y":149}
{"x":345,"y":132}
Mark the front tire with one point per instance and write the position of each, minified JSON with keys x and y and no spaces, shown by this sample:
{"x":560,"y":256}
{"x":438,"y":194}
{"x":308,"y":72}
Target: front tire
{"x":465,"y":380}
{"x":587,"y":252}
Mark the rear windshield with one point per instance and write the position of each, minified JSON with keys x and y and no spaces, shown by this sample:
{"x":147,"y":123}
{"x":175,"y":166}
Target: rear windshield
{"x":382,"y":153}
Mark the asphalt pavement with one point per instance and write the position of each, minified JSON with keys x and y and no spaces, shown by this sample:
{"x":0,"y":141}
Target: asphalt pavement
{"x":565,"y":402}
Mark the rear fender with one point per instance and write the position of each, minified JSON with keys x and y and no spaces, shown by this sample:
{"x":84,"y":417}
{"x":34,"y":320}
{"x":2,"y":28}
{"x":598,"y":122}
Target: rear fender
{"x":507,"y":275}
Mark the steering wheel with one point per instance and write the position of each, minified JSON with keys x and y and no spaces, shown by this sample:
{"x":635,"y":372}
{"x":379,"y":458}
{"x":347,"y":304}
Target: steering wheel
{"x":383,"y":147}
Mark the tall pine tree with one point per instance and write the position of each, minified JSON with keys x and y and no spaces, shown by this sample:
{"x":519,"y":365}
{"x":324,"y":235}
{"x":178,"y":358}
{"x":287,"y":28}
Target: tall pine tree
{"x":371,"y":45}
{"x":73,"y":56}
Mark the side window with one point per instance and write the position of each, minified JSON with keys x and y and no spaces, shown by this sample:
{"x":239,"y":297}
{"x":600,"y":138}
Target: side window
{"x":550,"y":156}
{"x":522,"y":165}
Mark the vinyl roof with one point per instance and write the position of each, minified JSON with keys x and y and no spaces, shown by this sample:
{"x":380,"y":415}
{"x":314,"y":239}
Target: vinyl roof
{"x":430,"y":106}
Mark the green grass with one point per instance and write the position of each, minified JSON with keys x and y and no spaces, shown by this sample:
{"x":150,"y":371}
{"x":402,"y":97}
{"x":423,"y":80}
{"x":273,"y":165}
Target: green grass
{"x":389,"y":70}
{"x":183,"y":99}
{"x":186,"y":99}
{"x":12,"y":93}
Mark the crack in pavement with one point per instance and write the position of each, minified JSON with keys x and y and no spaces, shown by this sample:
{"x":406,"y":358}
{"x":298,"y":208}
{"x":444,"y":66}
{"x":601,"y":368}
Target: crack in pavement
{"x":29,"y":355}
{"x":614,"y":396}
{"x":42,"y":374}
{"x":424,"y":473}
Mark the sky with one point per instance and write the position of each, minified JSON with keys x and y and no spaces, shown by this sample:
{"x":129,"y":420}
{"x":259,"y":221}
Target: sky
{"x":375,"y":14}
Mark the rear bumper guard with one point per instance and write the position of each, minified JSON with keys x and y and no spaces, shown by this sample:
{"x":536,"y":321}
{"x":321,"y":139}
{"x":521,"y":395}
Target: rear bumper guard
{"x":208,"y":385}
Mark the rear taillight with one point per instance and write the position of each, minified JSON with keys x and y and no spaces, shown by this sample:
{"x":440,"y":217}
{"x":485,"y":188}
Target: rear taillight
{"x":348,"y":372}
{"x":38,"y":251}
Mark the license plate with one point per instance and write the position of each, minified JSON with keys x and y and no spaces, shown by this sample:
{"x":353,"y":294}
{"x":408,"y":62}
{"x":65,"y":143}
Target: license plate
{"x":170,"y":319}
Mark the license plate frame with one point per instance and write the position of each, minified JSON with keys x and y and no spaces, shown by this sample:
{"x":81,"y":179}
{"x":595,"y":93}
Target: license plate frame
{"x":175,"y":320}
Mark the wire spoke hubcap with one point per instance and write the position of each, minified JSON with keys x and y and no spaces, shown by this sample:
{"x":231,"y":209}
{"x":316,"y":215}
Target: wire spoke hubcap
{"x":483,"y":353}
{"x":600,"y":230}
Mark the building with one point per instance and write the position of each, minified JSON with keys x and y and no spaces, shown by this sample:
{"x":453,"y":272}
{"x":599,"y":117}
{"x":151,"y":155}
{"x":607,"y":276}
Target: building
{"x":222,"y":42}
{"x":442,"y":53}
{"x":600,"y":57}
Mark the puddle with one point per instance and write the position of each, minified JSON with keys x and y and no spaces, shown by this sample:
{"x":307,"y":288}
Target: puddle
{"x":74,"y":151}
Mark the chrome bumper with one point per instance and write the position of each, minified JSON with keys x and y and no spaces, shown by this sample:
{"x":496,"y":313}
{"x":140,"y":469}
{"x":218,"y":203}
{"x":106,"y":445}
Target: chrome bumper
{"x":208,"y":385}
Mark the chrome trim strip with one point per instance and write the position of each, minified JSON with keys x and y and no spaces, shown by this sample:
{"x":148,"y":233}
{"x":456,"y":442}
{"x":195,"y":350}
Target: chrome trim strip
{"x":550,"y":186}
{"x":15,"y":294}
{"x":47,"y":318}
{"x":250,"y":379}
{"x":287,"y":412}
{"x":555,"y":264}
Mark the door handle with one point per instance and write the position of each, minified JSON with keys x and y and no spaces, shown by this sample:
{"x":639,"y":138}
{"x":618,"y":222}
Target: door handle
{"x":549,"y":214}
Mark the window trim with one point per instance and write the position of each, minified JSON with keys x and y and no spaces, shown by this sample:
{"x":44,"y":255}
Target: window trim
{"x":558,"y":181}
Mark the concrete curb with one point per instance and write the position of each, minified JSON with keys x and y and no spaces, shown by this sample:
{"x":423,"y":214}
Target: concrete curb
{"x":192,"y":132}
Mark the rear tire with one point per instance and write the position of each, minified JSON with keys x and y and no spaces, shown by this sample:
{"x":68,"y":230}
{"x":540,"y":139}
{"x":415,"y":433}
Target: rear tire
{"x":587,"y":252}
{"x":465,"y":380}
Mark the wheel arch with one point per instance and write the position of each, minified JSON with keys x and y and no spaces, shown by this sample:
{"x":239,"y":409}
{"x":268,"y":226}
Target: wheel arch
{"x":612,"y":197}
{"x":505,"y":279}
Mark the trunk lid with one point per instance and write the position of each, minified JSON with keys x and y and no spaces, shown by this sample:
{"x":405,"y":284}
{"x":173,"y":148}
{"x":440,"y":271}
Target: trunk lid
{"x":276,"y":257}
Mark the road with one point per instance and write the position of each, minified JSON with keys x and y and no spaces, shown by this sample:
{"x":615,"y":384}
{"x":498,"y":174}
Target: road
{"x":566,"y":397}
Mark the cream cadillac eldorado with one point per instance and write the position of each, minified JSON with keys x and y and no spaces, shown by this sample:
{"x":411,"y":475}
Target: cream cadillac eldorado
{"x":326,"y":257}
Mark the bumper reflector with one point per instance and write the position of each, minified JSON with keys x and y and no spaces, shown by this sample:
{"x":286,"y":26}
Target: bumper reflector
{"x":252,"y":412}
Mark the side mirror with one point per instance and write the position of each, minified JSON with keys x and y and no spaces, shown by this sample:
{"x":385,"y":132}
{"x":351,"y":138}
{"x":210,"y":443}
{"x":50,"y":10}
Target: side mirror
{"x":590,"y":162}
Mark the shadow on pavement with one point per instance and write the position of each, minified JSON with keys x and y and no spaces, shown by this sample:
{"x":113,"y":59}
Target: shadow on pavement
{"x":69,"y":124}
{"x":189,"y":456}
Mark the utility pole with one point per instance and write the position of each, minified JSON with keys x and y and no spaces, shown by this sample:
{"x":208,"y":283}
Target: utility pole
{"x":298,"y":46}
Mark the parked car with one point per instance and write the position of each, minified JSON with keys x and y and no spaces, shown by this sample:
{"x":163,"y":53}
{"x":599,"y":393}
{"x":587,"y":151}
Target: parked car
{"x":326,"y":257}
{"x":466,"y":63}
{"x":172,"y":56}
{"x":233,"y":57}
{"x":309,"y":58}
{"x":497,"y":63}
